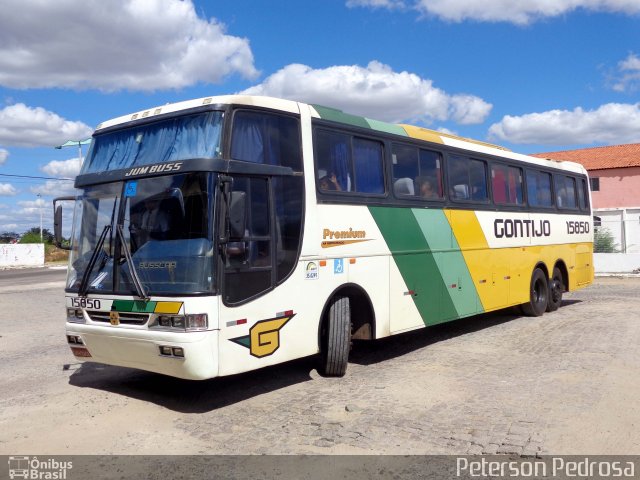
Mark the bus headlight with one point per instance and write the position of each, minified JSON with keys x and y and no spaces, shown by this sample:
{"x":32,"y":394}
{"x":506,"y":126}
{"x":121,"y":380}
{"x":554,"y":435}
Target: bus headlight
{"x":164,"y":321}
{"x":183,"y":323}
{"x":197,"y":321}
{"x":75,"y":315}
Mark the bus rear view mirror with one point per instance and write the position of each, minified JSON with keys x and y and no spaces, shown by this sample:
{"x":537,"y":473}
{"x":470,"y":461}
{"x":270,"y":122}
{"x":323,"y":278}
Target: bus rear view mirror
{"x":57,"y":222}
{"x":237,"y":216}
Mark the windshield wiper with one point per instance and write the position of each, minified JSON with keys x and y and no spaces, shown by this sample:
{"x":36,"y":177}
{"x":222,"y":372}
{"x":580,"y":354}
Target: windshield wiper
{"x":84,"y":284}
{"x":133,"y":273}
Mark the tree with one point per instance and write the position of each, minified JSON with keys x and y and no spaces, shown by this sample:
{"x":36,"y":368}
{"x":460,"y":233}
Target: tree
{"x":603,"y":241}
{"x":33,"y":236}
{"x":8,"y":237}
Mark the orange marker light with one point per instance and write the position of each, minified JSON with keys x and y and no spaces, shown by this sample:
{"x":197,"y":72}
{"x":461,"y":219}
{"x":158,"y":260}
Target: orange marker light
{"x":323,"y":263}
{"x":352,"y":261}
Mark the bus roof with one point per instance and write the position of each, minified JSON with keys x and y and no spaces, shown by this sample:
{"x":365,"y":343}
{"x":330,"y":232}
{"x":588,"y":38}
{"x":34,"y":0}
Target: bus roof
{"x":336,"y":115}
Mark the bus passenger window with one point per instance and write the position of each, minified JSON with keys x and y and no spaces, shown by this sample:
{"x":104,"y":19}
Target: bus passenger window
{"x":583,"y":195}
{"x":430,"y":181}
{"x":266,"y":138}
{"x":348,"y":164}
{"x":478,"y":177}
{"x":367,"y":163}
{"x":506,"y":183}
{"x":458,"y":178}
{"x":539,"y":189}
{"x":467,"y":179}
{"x":333,"y":159}
{"x":416,"y":172}
{"x":405,"y":169}
{"x":565,"y":192}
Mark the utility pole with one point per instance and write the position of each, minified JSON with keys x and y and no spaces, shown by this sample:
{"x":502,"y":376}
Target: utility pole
{"x":40,"y":208}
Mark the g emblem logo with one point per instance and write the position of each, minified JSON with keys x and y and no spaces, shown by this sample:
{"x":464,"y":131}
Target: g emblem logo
{"x":264,"y":336}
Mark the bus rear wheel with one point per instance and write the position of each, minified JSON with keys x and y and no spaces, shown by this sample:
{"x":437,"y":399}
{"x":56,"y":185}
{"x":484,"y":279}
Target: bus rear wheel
{"x":556,"y":287}
{"x":538,"y":295}
{"x":336,"y":338}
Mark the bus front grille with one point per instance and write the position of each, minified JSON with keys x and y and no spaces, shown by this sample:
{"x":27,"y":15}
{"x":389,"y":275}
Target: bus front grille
{"x":126,"y":318}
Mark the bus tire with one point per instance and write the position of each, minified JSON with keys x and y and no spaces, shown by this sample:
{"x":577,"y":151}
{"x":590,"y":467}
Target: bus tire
{"x":336,"y":338}
{"x":556,"y":287}
{"x":538,"y":294}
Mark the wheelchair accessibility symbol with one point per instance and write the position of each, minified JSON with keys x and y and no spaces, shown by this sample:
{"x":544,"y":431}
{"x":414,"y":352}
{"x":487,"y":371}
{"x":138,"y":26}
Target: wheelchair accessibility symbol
{"x":338,"y":265}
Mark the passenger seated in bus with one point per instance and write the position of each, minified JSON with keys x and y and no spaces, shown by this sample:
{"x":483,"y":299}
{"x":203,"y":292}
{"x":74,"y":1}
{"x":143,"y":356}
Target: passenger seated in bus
{"x":154,"y":222}
{"x":425,"y":187}
{"x":330,"y":182}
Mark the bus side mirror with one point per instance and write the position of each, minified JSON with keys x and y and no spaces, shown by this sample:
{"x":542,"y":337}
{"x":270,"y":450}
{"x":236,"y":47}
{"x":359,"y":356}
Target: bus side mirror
{"x":237,"y":216}
{"x":57,"y":222}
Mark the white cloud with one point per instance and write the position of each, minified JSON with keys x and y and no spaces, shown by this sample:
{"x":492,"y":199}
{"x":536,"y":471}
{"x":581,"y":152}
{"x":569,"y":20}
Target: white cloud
{"x":7,"y":190}
{"x":512,"y":11}
{"x":375,"y":91}
{"x":27,"y":216}
{"x":54,"y":188}
{"x":24,"y":126}
{"x":4,"y":154}
{"x":613,"y":123}
{"x":31,"y":206}
{"x":390,"y":4}
{"x":120,"y":44}
{"x":63,"y":168}
{"x":628,"y":76}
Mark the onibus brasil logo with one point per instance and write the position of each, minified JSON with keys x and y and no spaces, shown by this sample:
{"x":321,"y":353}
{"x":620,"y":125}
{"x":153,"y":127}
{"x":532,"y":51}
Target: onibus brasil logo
{"x":33,"y":468}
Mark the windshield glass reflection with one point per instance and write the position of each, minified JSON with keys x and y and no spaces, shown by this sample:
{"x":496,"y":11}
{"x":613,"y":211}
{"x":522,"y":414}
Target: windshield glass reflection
{"x":166,"y":229}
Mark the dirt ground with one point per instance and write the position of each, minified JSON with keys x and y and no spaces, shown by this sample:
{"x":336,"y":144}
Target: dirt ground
{"x":564,"y":383}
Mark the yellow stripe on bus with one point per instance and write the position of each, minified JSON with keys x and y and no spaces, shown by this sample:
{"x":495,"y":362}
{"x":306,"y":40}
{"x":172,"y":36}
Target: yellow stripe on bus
{"x":502,"y":276}
{"x":168,"y":307}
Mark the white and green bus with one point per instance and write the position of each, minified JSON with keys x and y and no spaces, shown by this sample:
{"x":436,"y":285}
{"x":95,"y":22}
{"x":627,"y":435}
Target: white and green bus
{"x":224,"y":234}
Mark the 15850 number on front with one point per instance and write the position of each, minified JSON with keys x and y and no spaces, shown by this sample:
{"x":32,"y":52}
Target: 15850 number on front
{"x":81,"y":302}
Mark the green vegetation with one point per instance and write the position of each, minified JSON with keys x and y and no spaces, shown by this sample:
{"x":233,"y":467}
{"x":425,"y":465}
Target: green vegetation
{"x":33,"y":236}
{"x":603,"y":241}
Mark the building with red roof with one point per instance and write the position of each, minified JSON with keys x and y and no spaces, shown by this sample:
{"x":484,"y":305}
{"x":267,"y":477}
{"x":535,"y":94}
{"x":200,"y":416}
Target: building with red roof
{"x":614,"y":173}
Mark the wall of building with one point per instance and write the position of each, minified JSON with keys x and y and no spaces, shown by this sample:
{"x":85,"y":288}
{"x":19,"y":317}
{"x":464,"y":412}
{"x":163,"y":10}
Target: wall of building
{"x":624,"y":226}
{"x":619,"y":188}
{"x":22,"y":255}
{"x":616,"y":262}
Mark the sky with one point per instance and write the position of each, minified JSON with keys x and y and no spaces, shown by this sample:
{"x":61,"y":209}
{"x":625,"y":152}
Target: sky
{"x":531,"y":75}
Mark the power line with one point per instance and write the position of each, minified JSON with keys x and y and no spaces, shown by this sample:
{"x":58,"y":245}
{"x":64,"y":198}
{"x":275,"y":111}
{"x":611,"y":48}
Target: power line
{"x":39,"y":178}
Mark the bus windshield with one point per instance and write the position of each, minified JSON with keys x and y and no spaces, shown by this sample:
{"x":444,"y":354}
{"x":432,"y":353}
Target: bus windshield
{"x":166,"y":233}
{"x":168,"y":140}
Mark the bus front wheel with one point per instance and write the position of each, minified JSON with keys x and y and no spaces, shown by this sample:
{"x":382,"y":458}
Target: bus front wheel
{"x":556,"y":287}
{"x":538,"y":295}
{"x":336,"y":338}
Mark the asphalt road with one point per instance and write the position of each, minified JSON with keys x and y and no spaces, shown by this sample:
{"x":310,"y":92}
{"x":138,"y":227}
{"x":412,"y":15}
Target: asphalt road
{"x":563,"y":383}
{"x":33,"y":278}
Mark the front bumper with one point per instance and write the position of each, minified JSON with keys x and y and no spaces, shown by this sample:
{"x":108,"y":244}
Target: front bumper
{"x":136,"y":348}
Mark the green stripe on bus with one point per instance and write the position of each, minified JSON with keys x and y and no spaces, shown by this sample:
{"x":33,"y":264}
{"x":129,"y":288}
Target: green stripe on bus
{"x":453,"y":268}
{"x":134,"y":306}
{"x":387,"y":127}
{"x":335,"y":115}
{"x":425,"y":251}
{"x":418,"y":267}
